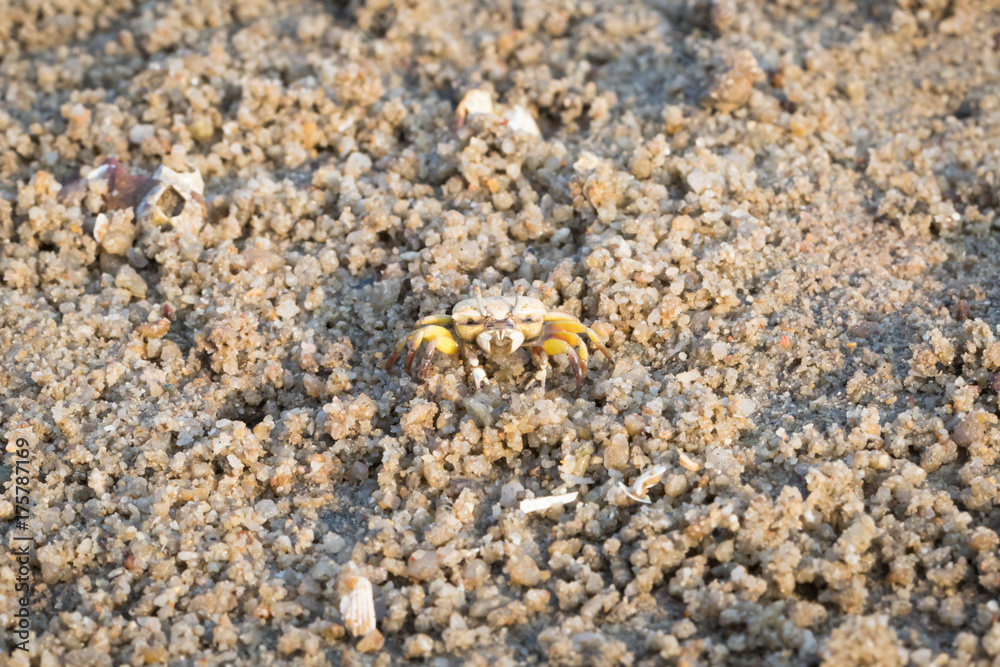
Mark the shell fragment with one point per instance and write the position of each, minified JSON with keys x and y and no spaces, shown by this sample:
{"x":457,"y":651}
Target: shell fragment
{"x":530,"y":505}
{"x":358,"y":607}
{"x":639,"y":491}
{"x":519,"y":119}
{"x":176,"y":200}
{"x":474,"y":103}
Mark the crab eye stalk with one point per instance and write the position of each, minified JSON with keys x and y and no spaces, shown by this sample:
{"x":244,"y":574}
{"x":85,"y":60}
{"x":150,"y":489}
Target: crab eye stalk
{"x":517,"y":299}
{"x":479,"y":299}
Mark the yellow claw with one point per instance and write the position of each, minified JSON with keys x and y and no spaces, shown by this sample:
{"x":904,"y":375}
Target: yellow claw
{"x":554,"y":346}
{"x":558,"y":345}
{"x":566,"y":322}
{"x":436,"y":336}
{"x":573,"y":339}
{"x":445,"y":341}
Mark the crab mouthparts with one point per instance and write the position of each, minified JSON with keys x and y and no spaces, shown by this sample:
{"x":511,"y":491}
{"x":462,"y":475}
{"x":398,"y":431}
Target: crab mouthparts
{"x":486,"y":338}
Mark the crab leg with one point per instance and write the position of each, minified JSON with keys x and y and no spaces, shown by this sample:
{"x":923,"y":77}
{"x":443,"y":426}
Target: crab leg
{"x":551,"y":346}
{"x":412,"y":352}
{"x":557,"y":321}
{"x":572,"y":339}
{"x":437,"y":337}
{"x":432,"y":345}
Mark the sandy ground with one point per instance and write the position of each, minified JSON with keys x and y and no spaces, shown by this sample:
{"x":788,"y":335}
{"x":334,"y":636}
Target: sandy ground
{"x":781,"y":217}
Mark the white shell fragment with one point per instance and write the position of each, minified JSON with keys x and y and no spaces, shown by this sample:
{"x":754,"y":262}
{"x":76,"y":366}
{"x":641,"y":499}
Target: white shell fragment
{"x":177,"y":200}
{"x":541,"y":504}
{"x":520,"y":119}
{"x":98,"y":172}
{"x":358,"y":608}
{"x":475,"y":102}
{"x":639,"y":491}
{"x":191,"y":180}
{"x":101,"y":226}
{"x":479,"y":102}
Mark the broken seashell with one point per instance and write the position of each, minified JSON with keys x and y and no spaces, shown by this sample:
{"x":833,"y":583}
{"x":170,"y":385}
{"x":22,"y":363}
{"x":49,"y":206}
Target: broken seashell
{"x":639,"y":491}
{"x":474,"y":103}
{"x":358,"y":607}
{"x":176,"y":200}
{"x":124,"y":190}
{"x":190,"y":180}
{"x":101,"y":225}
{"x":519,"y":119}
{"x":541,"y":504}
{"x":102,"y":171}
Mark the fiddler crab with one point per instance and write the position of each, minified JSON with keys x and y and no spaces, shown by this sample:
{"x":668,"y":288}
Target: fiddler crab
{"x":500,"y":321}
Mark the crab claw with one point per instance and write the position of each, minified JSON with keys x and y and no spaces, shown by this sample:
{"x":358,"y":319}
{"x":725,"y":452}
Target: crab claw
{"x":483,"y":341}
{"x":516,"y":339}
